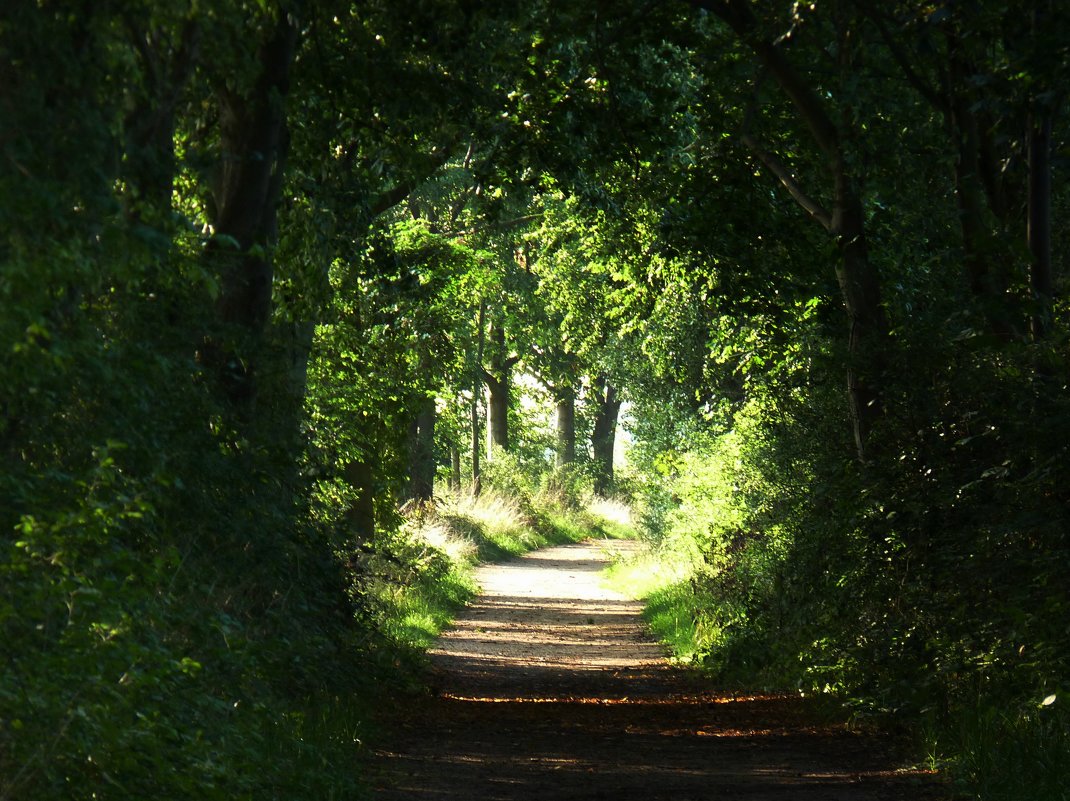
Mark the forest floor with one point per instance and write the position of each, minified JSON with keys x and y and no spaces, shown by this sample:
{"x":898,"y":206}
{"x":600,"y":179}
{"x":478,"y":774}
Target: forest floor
{"x":549,"y":687}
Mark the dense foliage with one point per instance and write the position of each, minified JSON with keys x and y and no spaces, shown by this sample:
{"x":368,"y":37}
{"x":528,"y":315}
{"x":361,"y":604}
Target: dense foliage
{"x":277,"y":275}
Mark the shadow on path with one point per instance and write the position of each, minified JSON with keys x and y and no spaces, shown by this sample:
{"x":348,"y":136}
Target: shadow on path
{"x":550,"y":688}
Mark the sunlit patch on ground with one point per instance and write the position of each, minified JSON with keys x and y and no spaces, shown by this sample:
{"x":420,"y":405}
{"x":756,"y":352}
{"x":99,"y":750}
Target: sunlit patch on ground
{"x":549,"y":688}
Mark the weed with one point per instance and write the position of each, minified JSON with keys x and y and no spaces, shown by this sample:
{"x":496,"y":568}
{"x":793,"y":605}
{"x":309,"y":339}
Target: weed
{"x":996,"y":752}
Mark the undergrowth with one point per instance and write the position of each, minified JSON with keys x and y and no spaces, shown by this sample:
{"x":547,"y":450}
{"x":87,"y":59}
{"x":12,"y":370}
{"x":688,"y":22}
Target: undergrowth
{"x":987,"y":751}
{"x":659,"y":578}
{"x":936,"y":607}
{"x":1000,"y":754}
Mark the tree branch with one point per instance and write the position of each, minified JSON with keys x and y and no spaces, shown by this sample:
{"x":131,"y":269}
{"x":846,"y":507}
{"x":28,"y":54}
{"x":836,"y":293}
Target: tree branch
{"x":913,"y":77}
{"x":737,"y":14}
{"x":781,"y":171}
{"x":498,"y":227}
{"x":392,"y":197}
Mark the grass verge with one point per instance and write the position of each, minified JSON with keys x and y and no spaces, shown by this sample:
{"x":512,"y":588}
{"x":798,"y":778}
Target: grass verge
{"x":990,"y":752}
{"x":440,"y":544}
{"x":659,"y":577}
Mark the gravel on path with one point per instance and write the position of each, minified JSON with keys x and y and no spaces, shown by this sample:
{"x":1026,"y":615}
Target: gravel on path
{"x":549,"y":687}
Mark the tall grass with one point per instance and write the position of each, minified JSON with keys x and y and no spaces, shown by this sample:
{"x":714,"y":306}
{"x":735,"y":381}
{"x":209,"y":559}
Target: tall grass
{"x":995,"y":753}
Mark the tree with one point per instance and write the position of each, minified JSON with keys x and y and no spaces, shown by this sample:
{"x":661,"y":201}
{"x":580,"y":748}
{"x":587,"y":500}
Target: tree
{"x":603,"y":437}
{"x":845,"y":221}
{"x":253,"y":147}
{"x":983,"y":71}
{"x":498,"y":380}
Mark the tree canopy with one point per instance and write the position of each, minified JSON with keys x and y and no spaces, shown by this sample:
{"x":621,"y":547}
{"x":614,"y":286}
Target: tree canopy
{"x":270,"y":271}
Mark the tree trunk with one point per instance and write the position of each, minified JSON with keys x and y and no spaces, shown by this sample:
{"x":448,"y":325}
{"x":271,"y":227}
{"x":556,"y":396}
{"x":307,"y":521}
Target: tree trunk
{"x":149,"y":164}
{"x":254,"y":143}
{"x":566,"y":426}
{"x":477,"y":375}
{"x":1038,"y":232}
{"x":979,"y":201}
{"x":604,"y":435}
{"x":360,"y":516}
{"x":978,"y":174}
{"x":455,"y":469}
{"x":499,"y":386}
{"x":297,"y":339}
{"x":867,"y":325}
{"x":421,"y":443}
{"x":497,"y":417}
{"x":859,"y":284}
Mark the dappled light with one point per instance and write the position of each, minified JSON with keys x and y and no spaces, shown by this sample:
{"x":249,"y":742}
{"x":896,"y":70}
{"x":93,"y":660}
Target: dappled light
{"x":673,"y":700}
{"x":548,"y":613}
{"x":548,"y":686}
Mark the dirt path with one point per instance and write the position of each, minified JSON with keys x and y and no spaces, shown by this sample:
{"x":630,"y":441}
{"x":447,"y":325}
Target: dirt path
{"x":550,"y":688}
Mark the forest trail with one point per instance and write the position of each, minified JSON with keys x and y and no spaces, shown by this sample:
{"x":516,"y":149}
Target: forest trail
{"x":549,"y":687}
